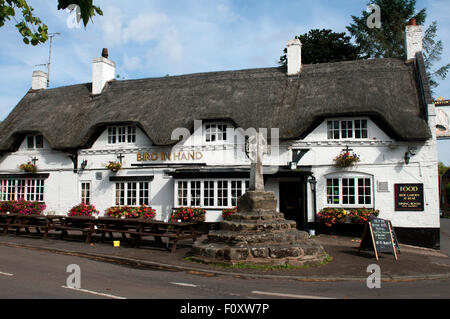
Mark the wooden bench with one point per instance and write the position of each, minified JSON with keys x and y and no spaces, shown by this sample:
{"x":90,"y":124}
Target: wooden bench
{"x":84,"y":224}
{"x":19,"y":221}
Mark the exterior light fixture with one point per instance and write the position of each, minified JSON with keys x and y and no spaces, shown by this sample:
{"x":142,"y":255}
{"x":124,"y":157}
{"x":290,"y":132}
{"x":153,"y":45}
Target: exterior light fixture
{"x":407,"y":157}
{"x":312,"y":183}
{"x":293,"y":165}
{"x":83,"y":164}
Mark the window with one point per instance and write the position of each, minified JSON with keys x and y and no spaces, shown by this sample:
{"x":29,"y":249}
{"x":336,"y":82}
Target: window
{"x":215,"y":132}
{"x":28,"y":189}
{"x":351,"y":191}
{"x":209,"y":193}
{"x":35,"y":141}
{"x":121,"y":134}
{"x":132,"y":193}
{"x":86,"y":192}
{"x":345,"y":129}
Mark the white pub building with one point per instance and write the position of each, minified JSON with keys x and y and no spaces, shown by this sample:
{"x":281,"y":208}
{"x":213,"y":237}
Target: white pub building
{"x":181,"y":140}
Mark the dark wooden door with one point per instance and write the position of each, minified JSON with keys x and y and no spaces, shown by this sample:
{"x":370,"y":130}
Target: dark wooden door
{"x":291,"y":202}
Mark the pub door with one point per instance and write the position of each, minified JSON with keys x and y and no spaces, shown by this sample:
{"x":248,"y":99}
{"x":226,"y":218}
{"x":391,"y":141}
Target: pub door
{"x":292,"y":203}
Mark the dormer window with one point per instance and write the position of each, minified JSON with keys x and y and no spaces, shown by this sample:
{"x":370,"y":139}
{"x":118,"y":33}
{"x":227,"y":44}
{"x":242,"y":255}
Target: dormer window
{"x":121,"y":134}
{"x":215,"y":132}
{"x":347,"y":129}
{"x":35,"y":142}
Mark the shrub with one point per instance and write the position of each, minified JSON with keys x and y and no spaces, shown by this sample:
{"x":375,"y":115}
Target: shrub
{"x":83,"y":210}
{"x":188,"y":214}
{"x":227,"y":212}
{"x":22,"y":206}
{"x":330,"y":216}
{"x":362,"y":215}
{"x":142,"y":211}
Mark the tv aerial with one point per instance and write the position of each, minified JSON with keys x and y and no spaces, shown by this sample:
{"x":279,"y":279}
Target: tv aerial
{"x":47,"y":65}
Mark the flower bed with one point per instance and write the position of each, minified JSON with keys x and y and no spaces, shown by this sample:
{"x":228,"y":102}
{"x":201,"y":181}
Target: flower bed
{"x":22,"y":206}
{"x":362,"y":215}
{"x":227,"y":212}
{"x":83,"y":210}
{"x":330,"y":216}
{"x":142,"y":211}
{"x":188,"y":214}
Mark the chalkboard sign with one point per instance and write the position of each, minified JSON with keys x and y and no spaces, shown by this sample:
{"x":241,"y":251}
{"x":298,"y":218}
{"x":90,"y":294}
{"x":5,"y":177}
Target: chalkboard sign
{"x":379,"y":236}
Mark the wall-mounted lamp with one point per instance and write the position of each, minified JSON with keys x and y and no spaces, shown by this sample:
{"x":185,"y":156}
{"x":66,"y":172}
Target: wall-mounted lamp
{"x":312,"y":183}
{"x":83,"y":164}
{"x":410,"y":152}
{"x":293,"y":165}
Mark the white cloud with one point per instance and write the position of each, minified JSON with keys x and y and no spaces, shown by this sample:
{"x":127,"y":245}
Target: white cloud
{"x":132,"y":63}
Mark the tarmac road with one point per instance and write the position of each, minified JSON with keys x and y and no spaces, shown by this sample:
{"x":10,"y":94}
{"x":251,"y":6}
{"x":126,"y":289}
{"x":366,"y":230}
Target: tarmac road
{"x":27,"y":273}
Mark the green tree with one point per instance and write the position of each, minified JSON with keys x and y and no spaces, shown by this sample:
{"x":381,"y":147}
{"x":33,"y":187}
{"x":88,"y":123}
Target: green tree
{"x":321,"y":46}
{"x":32,"y":29}
{"x":442,"y":168}
{"x":388,"y":41}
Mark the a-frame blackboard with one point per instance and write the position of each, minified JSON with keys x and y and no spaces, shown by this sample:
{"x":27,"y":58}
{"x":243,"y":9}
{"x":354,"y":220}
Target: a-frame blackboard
{"x":379,"y":236}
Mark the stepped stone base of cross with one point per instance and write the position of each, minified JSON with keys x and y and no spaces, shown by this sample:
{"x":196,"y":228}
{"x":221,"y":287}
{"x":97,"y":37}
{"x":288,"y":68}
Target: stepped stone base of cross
{"x":258,"y":234}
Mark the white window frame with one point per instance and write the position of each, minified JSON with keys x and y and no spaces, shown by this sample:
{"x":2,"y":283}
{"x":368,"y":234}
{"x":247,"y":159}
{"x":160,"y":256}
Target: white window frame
{"x":215,"y":133}
{"x":121,"y":134}
{"x":128,"y":187}
{"x":353,"y":131}
{"x":31,"y":189}
{"x":33,"y":139}
{"x":356,"y":179}
{"x":86,"y":198}
{"x":215,"y":200}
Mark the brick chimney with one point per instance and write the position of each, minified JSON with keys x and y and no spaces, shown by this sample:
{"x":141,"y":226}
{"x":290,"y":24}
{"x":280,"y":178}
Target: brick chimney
{"x":294,"y":57}
{"x":413,"y":39}
{"x":39,"y":80}
{"x":103,"y":70}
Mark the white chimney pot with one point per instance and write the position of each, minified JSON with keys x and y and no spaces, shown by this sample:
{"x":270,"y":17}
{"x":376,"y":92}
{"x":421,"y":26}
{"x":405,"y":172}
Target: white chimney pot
{"x":294,"y":57}
{"x":39,"y":80}
{"x":413,"y":40}
{"x":103,"y":70}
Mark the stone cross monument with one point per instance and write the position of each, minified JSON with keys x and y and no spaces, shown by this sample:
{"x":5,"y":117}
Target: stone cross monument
{"x":257,"y":233}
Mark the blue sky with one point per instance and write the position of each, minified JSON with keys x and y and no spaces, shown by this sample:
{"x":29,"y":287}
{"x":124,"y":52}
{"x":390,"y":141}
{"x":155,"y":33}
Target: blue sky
{"x":155,"y":38}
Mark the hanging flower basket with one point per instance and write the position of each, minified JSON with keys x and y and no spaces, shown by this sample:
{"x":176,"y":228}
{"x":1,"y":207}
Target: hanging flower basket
{"x":114,"y":166}
{"x":346,"y":159}
{"x":28,"y":167}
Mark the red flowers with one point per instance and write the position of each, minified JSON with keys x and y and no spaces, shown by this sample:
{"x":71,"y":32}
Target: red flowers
{"x":83,"y":210}
{"x":22,"y":206}
{"x":142,"y":211}
{"x":188,"y":214}
{"x":227,"y":212}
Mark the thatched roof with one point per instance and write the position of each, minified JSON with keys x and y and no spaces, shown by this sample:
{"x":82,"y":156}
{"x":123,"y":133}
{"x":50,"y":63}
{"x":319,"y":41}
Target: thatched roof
{"x":387,"y":90}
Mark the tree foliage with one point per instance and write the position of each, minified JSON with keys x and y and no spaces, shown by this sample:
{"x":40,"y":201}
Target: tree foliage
{"x":388,"y":41}
{"x":32,"y":29}
{"x":321,"y":46}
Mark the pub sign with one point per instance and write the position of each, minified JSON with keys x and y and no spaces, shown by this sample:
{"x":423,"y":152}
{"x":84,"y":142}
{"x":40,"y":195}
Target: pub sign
{"x":409,"y":197}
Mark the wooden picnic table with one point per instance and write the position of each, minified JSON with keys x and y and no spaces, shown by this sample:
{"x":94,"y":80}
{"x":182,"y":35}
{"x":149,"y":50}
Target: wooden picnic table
{"x":19,"y":221}
{"x":136,"y":228}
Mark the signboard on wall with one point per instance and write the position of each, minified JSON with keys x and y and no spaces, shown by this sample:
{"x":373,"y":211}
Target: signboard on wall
{"x":442,"y":118}
{"x":409,"y":197}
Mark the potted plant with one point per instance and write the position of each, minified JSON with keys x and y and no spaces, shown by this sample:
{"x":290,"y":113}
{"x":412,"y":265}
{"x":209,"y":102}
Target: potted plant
{"x":114,"y":166}
{"x":28,"y":167}
{"x":362,"y":215}
{"x":83,"y":210}
{"x":330,"y":216}
{"x":346,"y":159}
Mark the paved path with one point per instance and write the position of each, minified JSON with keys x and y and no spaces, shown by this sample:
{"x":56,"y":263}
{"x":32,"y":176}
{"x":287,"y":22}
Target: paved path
{"x":26,"y":273}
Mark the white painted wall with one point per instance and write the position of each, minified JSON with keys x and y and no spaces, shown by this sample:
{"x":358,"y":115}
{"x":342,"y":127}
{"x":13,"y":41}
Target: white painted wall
{"x":381,"y":157}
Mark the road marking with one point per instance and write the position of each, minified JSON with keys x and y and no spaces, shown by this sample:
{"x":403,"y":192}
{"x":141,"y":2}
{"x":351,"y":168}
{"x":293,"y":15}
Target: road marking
{"x":183,"y":284}
{"x":268,"y":293}
{"x":93,"y":292}
{"x":6,"y":274}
